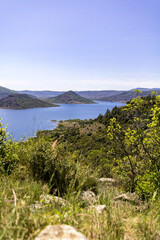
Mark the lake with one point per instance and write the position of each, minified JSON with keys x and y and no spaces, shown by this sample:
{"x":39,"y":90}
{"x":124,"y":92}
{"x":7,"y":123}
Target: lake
{"x":25,"y":123}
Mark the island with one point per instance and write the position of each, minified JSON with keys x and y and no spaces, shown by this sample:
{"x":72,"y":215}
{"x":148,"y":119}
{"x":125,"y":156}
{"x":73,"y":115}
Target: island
{"x":23,"y":101}
{"x":70,"y":97}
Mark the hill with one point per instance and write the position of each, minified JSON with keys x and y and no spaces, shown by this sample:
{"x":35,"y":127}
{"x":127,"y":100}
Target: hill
{"x":126,"y":96}
{"x":96,"y":95}
{"x":93,"y":95}
{"x":70,"y":97}
{"x":22,"y":101}
{"x":41,"y":94}
{"x":4,"y":92}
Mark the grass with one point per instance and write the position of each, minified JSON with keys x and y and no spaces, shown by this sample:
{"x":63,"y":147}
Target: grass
{"x":120,"y":220}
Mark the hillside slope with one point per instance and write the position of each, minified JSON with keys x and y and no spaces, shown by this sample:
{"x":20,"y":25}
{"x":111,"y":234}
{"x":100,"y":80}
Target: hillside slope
{"x":126,"y":96}
{"x":22,"y":101}
{"x":70,"y":97}
{"x":4,"y":92}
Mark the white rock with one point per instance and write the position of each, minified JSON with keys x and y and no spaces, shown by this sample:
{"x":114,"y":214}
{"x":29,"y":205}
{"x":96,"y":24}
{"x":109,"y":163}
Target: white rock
{"x":98,"y":208}
{"x":107,"y":181}
{"x":46,"y":199}
{"x":60,"y":232}
{"x":89,"y":197}
{"x":130,"y":197}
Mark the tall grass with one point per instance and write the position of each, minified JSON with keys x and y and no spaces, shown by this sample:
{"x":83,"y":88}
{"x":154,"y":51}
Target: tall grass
{"x":119,"y":221}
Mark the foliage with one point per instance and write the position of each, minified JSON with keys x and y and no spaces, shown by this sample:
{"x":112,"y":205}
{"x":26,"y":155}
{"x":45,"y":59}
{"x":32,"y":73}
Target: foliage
{"x":124,"y":144}
{"x":8,"y":156}
{"x":137,"y":148}
{"x":61,"y":172}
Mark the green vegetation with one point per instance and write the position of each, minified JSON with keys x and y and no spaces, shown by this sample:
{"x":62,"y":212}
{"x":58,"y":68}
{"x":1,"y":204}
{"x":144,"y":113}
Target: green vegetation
{"x":70,"y":97}
{"x":4,"y":92}
{"x":23,"y":101}
{"x":124,"y":144}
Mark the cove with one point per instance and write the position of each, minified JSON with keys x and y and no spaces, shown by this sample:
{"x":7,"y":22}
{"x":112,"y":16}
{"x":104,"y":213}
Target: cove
{"x":25,"y":123}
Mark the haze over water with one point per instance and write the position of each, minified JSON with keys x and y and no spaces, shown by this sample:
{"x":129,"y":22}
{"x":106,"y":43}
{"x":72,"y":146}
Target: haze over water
{"x":25,"y":123}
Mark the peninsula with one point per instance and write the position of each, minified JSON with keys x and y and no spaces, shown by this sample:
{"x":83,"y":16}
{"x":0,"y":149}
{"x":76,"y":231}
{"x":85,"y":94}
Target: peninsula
{"x":23,"y":101}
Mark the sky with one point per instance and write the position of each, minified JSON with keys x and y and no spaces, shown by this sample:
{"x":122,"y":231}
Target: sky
{"x":79,"y":44}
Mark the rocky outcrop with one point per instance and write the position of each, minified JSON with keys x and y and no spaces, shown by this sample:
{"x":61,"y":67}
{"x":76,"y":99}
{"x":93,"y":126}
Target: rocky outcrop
{"x":60,"y":232}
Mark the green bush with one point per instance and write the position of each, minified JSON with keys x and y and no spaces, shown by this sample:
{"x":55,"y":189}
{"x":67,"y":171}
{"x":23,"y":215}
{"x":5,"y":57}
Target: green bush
{"x":8,"y":149}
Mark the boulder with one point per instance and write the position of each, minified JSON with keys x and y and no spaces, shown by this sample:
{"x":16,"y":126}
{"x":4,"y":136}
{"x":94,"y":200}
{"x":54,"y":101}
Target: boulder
{"x":49,"y":199}
{"x":60,"y":232}
{"x":88,"y":197}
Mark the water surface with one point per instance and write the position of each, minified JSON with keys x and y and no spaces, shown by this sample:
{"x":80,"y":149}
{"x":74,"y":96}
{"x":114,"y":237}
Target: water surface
{"x":25,"y":123}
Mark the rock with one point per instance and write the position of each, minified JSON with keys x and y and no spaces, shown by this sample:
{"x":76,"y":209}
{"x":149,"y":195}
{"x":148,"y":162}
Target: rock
{"x":49,"y":199}
{"x":36,"y":206}
{"x":130,"y":197}
{"x":88,"y":197}
{"x":98,"y":208}
{"x":60,"y":232}
{"x":46,"y":200}
{"x":107,"y":181}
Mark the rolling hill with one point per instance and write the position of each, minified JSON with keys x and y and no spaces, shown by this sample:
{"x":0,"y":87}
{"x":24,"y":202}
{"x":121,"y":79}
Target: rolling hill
{"x":41,"y":94}
{"x":93,"y":95}
{"x":126,"y":96}
{"x":4,"y":92}
{"x":70,"y":97}
{"x":22,"y":101}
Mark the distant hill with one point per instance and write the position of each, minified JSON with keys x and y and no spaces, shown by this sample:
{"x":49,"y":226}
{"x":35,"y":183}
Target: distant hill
{"x":126,"y":96}
{"x":22,"y":101}
{"x":96,"y":95}
{"x":146,"y":89}
{"x":93,"y":95}
{"x":70,"y":97}
{"x":41,"y":94}
{"x":4,"y":92}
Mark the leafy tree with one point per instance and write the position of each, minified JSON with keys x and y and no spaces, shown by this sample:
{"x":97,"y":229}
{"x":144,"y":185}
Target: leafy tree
{"x":136,"y":148}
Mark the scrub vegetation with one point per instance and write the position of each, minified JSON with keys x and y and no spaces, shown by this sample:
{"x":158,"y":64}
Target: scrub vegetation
{"x":124,"y":145}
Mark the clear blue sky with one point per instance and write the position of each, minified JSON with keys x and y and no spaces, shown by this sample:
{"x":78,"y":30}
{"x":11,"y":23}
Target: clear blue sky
{"x":79,"y":44}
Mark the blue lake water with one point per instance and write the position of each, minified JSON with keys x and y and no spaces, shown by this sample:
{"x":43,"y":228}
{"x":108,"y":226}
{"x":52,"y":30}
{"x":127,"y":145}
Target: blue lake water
{"x":25,"y":123}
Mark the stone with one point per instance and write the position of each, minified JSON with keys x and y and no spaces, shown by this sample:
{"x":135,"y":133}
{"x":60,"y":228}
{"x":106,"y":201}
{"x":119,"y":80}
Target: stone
{"x":88,"y":197}
{"x":130,"y":197}
{"x":60,"y":232}
{"x":49,"y":199}
{"x":98,"y":208}
{"x":36,"y":206}
{"x":107,"y":181}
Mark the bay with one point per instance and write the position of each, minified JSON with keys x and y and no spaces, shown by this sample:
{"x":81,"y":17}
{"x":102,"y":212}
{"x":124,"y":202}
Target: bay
{"x":25,"y":123}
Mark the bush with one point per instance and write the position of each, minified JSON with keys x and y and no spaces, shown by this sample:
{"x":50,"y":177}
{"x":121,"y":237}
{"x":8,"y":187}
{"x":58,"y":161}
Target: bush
{"x":8,"y":156}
